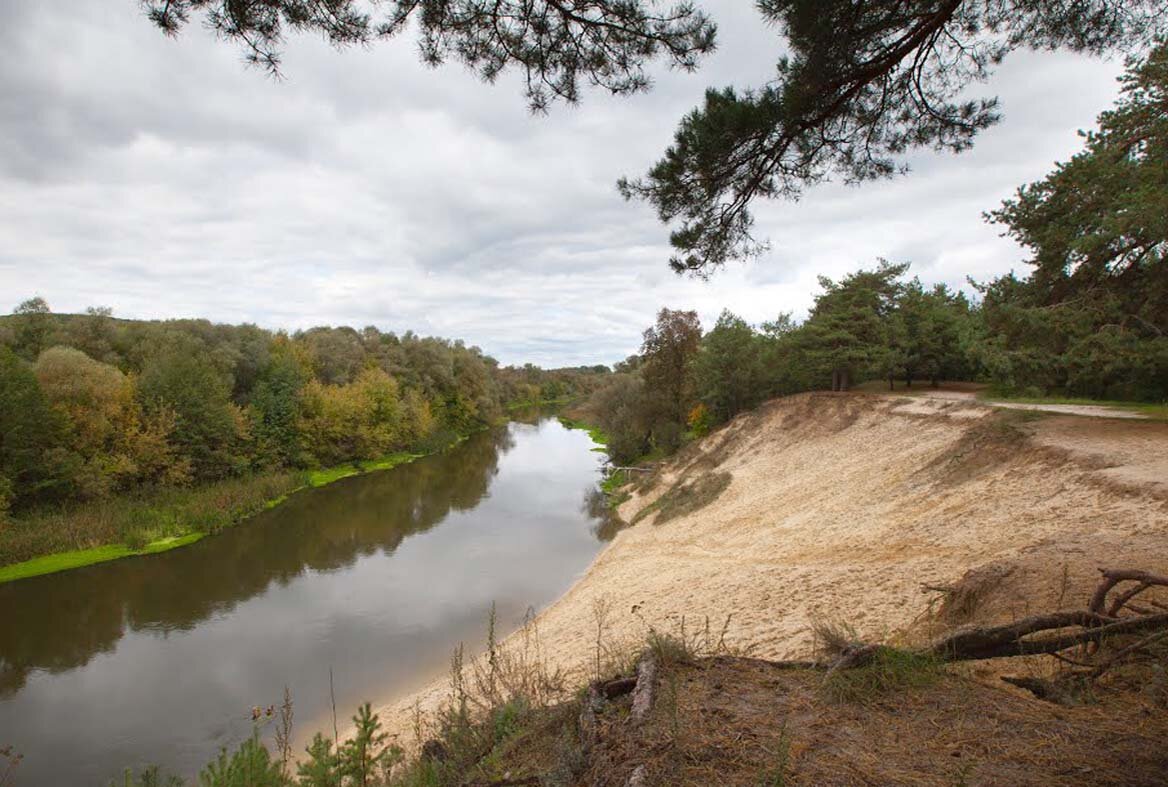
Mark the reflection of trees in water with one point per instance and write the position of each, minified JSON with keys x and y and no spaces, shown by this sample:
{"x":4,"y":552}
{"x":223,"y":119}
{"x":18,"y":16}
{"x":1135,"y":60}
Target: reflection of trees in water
{"x":532,"y":416}
{"x":596,"y":507}
{"x":59,"y":622}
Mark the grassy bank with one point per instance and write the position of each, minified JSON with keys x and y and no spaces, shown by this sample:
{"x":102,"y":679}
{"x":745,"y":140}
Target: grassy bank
{"x":59,"y":539}
{"x":595,"y":432}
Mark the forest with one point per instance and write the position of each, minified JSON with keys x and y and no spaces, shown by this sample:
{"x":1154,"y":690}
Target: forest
{"x":94,"y":408}
{"x":1090,"y":319}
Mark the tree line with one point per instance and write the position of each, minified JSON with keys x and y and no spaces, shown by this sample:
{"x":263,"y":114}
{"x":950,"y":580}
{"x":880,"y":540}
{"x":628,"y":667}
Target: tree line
{"x":1089,"y":320}
{"x":91,"y":405}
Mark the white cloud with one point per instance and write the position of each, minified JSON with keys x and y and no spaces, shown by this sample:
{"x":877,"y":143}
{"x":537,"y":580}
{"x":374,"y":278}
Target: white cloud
{"x":163,"y":178}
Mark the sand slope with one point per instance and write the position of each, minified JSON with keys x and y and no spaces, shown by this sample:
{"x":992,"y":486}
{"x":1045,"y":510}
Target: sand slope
{"x":839,"y":507}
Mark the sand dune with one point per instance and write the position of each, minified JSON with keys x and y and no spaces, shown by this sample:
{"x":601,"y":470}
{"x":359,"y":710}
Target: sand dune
{"x":838,"y":507}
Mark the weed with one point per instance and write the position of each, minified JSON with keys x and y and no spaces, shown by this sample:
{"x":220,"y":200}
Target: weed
{"x":776,"y":776}
{"x":601,"y":607}
{"x":889,"y":670}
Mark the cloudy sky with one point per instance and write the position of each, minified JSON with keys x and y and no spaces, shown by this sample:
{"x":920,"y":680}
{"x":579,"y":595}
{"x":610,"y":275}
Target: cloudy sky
{"x":163,"y":178}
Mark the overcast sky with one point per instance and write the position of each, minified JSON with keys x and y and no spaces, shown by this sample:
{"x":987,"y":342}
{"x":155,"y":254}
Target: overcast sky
{"x":164,"y":178}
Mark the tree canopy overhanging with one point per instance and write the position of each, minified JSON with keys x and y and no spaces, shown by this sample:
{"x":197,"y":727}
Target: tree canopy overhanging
{"x":864,"y":82}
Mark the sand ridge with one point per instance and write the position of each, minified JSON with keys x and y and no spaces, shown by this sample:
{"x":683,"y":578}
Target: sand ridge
{"x":840,"y":506}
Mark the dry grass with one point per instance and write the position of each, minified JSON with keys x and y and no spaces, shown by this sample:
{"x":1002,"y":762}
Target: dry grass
{"x":741,"y":718}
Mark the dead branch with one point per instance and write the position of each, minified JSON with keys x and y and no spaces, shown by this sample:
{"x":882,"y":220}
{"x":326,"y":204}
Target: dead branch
{"x":1126,"y":596}
{"x":1125,"y":652}
{"x":643,"y":693}
{"x":1112,"y":577}
{"x":988,"y":643}
{"x":1005,"y":641}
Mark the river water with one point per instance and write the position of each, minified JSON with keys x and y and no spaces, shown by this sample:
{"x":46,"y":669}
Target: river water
{"x":376,"y":577}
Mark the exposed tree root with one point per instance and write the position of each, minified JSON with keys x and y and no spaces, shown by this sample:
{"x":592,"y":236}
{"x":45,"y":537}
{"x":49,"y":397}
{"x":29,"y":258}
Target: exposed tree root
{"x":1060,"y":631}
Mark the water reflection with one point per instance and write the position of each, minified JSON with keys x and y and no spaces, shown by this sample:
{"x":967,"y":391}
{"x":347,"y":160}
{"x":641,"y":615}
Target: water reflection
{"x":154,"y":659}
{"x":328,"y":529}
{"x":597,"y":507}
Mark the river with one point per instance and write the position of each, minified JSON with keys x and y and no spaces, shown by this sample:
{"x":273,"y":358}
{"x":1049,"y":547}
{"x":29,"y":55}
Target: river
{"x":376,"y":578}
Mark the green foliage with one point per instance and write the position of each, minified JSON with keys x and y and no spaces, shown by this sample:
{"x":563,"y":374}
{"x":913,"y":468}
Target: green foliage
{"x":849,"y":334}
{"x":858,"y":86}
{"x":149,"y":777}
{"x":250,"y":765}
{"x":98,"y":434}
{"x":32,"y":459}
{"x":1092,"y":319}
{"x":729,"y":371}
{"x":605,"y":44}
{"x":667,"y":353}
{"x":32,"y":328}
{"x":321,"y":768}
{"x":150,"y":520}
{"x":276,"y":403}
{"x":366,"y":756}
{"x":209,"y":430}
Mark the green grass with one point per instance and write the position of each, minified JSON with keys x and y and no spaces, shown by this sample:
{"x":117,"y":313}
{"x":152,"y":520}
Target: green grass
{"x":890,"y":671}
{"x":595,"y":432}
{"x":63,"y":561}
{"x":330,"y":474}
{"x":686,"y":497}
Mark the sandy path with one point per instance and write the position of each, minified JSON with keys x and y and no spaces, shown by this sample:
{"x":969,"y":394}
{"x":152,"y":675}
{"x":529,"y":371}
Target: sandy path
{"x":1093,"y":410}
{"x":840,"y":506}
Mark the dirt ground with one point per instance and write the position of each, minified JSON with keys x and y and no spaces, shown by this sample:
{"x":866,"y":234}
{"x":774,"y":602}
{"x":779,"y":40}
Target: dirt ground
{"x":839,"y":507}
{"x":730,"y":721}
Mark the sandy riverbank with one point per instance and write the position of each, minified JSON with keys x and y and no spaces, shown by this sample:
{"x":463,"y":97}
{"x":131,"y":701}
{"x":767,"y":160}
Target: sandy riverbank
{"x":839,"y":507}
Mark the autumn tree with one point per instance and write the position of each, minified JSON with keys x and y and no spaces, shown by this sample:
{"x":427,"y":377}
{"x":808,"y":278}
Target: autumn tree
{"x":112,"y":443}
{"x":667,"y":351}
{"x":209,"y":431}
